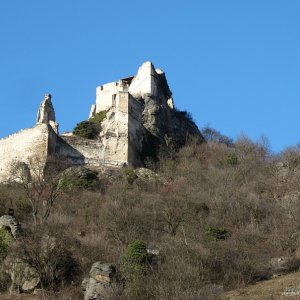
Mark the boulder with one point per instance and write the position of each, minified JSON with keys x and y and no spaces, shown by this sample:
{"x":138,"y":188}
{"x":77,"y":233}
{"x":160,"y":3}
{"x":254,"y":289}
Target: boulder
{"x":12,"y":223}
{"x":24,"y":278}
{"x":102,"y":272}
{"x":155,"y":258}
{"x":101,"y":276}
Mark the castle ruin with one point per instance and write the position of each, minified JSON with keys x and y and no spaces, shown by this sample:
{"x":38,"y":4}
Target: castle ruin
{"x":140,"y":117}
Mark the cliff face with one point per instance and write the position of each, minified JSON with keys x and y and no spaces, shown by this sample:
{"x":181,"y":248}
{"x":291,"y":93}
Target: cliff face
{"x":160,"y":122}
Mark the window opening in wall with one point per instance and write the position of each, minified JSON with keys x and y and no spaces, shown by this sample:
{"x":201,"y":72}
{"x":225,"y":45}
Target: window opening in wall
{"x":101,"y":88}
{"x":114,"y":97}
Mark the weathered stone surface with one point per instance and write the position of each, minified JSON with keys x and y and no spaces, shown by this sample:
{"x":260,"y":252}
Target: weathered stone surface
{"x":12,"y":223}
{"x":154,"y":257}
{"x":284,"y":264}
{"x":27,"y":146}
{"x":102,"y":272}
{"x":101,"y":276}
{"x":46,"y":113}
{"x":23,"y":277}
{"x":149,"y":175}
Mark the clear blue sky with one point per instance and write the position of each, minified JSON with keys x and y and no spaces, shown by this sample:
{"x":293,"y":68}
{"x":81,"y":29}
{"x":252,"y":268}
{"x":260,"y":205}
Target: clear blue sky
{"x":234,"y":64}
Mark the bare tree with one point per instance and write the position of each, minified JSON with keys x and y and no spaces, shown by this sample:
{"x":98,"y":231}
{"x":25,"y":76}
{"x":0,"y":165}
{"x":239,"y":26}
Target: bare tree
{"x":40,"y":183}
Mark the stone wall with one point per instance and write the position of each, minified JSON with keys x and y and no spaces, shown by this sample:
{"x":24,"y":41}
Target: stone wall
{"x":80,"y":151}
{"x":114,"y":132}
{"x":111,"y":147}
{"x":26,"y":146}
{"x":106,"y":94}
{"x":145,"y":82}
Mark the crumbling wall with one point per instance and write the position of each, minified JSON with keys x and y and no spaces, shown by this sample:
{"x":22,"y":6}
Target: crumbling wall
{"x":27,"y":146}
{"x":80,"y":151}
{"x":106,"y":94}
{"x":145,"y":82}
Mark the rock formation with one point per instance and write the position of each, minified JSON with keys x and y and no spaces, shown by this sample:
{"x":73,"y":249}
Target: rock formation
{"x":100,"y":277}
{"x":10,"y":222}
{"x":24,"y":278}
{"x":46,"y":113}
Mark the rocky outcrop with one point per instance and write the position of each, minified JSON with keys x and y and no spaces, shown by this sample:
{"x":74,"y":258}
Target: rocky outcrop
{"x":100,"y":277}
{"x":283,"y":265}
{"x":23,"y":277}
{"x":148,"y":175}
{"x":10,"y":222}
{"x":46,"y":113}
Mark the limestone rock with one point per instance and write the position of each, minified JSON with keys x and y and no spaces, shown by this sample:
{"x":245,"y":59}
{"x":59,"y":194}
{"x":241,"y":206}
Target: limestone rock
{"x":102,"y":272}
{"x":101,"y":276}
{"x":12,"y":223}
{"x":23,"y":277}
{"x":155,"y":258}
{"x":283,"y":265}
{"x":46,"y":113}
{"x":149,"y":175}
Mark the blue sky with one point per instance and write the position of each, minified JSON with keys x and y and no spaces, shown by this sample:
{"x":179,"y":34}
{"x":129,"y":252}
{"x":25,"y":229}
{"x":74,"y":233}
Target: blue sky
{"x":234,"y":64}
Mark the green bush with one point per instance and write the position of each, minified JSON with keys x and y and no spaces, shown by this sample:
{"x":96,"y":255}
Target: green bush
{"x":134,"y":259}
{"x":218,"y":234}
{"x":130,"y":176}
{"x":79,"y":179}
{"x":230,"y":160}
{"x":90,"y":129}
{"x":6,"y":239}
{"x":201,"y":209}
{"x":87,"y":130}
{"x":99,"y":117}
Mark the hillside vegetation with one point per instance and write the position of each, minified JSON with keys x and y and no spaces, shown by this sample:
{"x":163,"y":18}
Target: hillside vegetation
{"x":217,"y":212}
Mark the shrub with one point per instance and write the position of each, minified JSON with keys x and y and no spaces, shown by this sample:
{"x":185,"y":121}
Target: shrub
{"x":87,"y":130}
{"x":79,"y":179}
{"x":130,"y":176}
{"x":216,"y":233}
{"x":6,"y":239}
{"x":90,"y":129}
{"x":99,"y":117}
{"x":184,"y":116}
{"x":231,"y":160}
{"x":212,"y":135}
{"x":133,"y":260}
{"x":202,"y":209}
{"x":48,"y":252}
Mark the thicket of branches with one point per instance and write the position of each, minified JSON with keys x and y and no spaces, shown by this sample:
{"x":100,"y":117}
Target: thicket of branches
{"x":219,"y":215}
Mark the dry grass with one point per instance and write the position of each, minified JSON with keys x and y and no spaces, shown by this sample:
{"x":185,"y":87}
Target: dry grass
{"x":266,"y":290}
